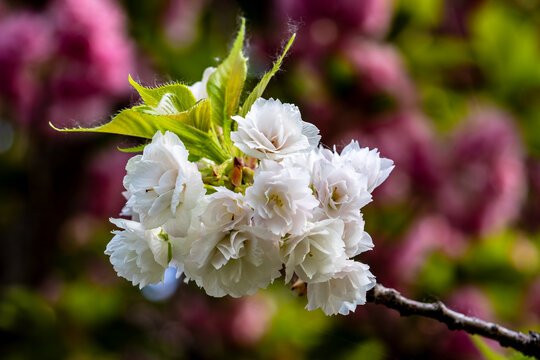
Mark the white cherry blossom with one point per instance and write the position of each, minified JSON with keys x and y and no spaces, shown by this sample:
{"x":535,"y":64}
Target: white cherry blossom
{"x":225,"y":209}
{"x":166,"y":189}
{"x":355,"y":238}
{"x":236,"y":262}
{"x":367,"y":162}
{"x":307,"y":160}
{"x":272,"y":130}
{"x":316,"y":254}
{"x":341,"y":191}
{"x":127,"y":210}
{"x":343,"y":292}
{"x":199,"y":88}
{"x":281,"y":198}
{"x":137,"y":254}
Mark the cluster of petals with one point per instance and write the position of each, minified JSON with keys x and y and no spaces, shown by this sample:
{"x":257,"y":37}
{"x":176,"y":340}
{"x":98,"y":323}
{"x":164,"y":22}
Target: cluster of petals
{"x":301,"y":213}
{"x":165,"y":187}
{"x":272,"y":130}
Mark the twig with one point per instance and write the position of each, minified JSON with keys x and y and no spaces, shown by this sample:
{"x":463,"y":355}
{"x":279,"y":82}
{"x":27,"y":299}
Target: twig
{"x":528,"y":344}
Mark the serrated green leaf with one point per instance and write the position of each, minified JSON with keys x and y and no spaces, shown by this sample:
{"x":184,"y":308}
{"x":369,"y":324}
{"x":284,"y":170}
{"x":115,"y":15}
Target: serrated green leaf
{"x":133,"y":122}
{"x":261,"y":86}
{"x":225,"y":84}
{"x":198,"y":117}
{"x":183,"y":98}
{"x":137,"y":148}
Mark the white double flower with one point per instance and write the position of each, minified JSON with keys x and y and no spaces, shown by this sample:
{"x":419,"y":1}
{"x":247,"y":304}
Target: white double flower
{"x":165,"y":187}
{"x":281,"y":198}
{"x":272,"y":130}
{"x":137,"y":254}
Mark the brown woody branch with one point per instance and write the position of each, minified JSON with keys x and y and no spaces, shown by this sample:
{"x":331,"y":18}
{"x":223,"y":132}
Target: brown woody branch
{"x":528,"y":344}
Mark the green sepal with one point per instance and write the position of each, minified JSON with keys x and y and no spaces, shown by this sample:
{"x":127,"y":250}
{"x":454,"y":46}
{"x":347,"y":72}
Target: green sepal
{"x":169,"y":251}
{"x":193,"y":158}
{"x":261,"y":86}
{"x":226,"y":83}
{"x":209,"y":189}
{"x":183,"y":98}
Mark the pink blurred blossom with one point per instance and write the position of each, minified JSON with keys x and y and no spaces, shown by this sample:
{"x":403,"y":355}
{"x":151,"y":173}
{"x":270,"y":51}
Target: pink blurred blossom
{"x":426,"y":235}
{"x":25,"y":45}
{"x":104,"y":188}
{"x":200,"y":317}
{"x":251,"y":320}
{"x":456,"y":16}
{"x":180,"y":21}
{"x":74,"y":112}
{"x":70,"y":61}
{"x":93,"y":48}
{"x":323,"y":24}
{"x":407,"y":139}
{"x":240,"y":321}
{"x":380,"y":69}
{"x":470,"y":301}
{"x":93,"y":59}
{"x":483,"y":190}
{"x":80,"y":23}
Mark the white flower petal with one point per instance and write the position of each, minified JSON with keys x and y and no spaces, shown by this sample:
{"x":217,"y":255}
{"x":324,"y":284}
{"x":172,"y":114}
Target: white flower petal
{"x":137,"y":254}
{"x":235,"y":263}
{"x":165,"y":187}
{"x":356,"y":239}
{"x":343,"y":292}
{"x":367,"y":162}
{"x":199,"y":88}
{"x":341,"y":191}
{"x":272,"y":130}
{"x":281,"y":198}
{"x":225,"y":210}
{"x":316,"y":254}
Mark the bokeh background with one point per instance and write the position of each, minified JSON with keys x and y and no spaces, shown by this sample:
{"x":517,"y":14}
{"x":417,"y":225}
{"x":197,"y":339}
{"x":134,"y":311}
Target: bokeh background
{"x":450,"y":90}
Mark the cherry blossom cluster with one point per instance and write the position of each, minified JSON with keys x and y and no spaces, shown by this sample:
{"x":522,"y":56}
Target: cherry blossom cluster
{"x":284,"y":205}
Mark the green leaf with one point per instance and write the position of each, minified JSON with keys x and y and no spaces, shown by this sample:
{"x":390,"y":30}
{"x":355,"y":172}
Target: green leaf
{"x":261,"y":86}
{"x":198,"y":117}
{"x":225,"y":84}
{"x":133,"y":122}
{"x":182,"y":100}
{"x":137,"y":148}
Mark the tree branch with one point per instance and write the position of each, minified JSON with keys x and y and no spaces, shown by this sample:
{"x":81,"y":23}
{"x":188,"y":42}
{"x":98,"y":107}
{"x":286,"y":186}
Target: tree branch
{"x":528,"y":344}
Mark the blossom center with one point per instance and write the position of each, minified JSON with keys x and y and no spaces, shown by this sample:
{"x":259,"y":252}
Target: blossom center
{"x":276,"y":199}
{"x":335,"y":195}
